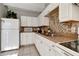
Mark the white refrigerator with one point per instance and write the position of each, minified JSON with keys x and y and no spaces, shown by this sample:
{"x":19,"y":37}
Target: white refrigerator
{"x":9,"y":34}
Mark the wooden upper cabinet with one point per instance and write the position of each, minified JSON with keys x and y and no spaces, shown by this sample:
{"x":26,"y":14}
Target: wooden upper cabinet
{"x":68,"y":11}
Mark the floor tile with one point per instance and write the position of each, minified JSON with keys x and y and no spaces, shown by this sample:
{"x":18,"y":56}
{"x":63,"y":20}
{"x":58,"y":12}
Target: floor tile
{"x":23,"y":51}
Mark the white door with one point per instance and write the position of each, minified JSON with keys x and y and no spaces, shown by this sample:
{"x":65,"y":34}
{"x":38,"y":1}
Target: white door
{"x":9,"y":39}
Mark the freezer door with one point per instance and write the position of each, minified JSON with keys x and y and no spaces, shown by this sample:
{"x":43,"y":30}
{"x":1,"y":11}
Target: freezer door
{"x":9,"y":24}
{"x":9,"y":39}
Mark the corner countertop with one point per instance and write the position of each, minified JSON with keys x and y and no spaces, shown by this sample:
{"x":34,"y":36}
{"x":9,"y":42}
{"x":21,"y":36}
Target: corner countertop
{"x":58,"y":39}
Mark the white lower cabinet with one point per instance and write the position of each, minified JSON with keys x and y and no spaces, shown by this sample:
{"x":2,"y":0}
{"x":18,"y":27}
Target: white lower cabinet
{"x":46,"y":47}
{"x":42,"y":46}
{"x":55,"y":51}
{"x":26,"y":38}
{"x":49,"y":48}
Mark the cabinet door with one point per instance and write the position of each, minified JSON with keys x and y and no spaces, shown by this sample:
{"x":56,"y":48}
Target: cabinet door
{"x":29,"y":21}
{"x":26,"y":21}
{"x":44,"y":21}
{"x":39,"y":21}
{"x":49,"y":48}
{"x":23,"y":39}
{"x":57,"y":51}
{"x":64,"y":11}
{"x":26,"y":38}
{"x":34,"y":21}
{"x":49,"y":51}
{"x":39,"y":46}
{"x":43,"y":48}
{"x":23,"y":21}
{"x":30,"y":38}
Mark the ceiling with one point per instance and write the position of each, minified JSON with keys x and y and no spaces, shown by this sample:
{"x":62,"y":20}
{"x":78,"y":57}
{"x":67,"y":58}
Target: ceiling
{"x":35,"y":7}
